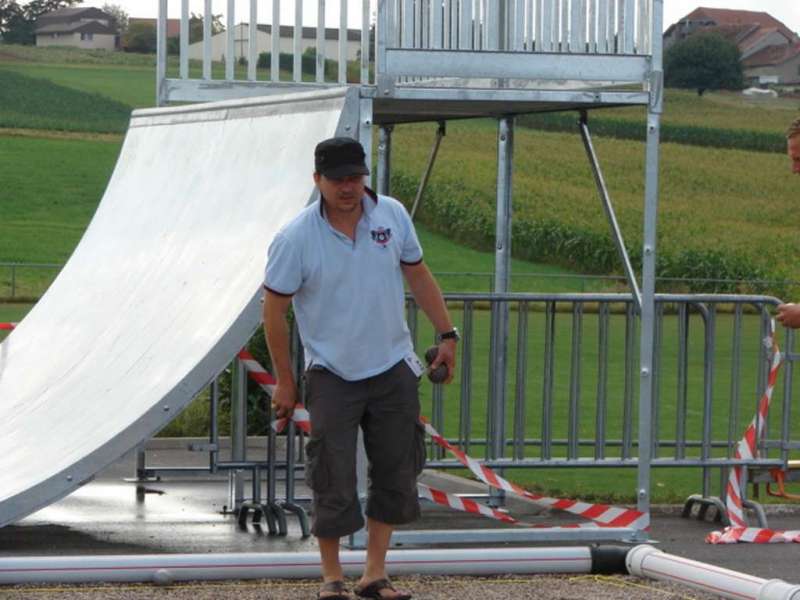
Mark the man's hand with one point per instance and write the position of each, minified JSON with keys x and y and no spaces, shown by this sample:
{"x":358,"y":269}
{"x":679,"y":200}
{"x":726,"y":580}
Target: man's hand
{"x":284,"y":399}
{"x":446,"y":355}
{"x":789,"y":315}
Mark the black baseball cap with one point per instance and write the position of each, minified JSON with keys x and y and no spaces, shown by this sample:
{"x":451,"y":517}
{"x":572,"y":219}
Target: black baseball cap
{"x":340,"y":157}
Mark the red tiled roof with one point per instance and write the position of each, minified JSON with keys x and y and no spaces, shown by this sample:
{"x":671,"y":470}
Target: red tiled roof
{"x":724,"y":16}
{"x":772,"y":56}
{"x":173,"y":25}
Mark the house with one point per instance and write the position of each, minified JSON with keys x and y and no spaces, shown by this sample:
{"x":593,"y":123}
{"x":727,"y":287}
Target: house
{"x":241,"y":37}
{"x":770,"y":51}
{"x":89,"y":28}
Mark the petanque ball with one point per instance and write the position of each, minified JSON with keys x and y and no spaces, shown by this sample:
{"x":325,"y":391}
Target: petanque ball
{"x":439,"y":374}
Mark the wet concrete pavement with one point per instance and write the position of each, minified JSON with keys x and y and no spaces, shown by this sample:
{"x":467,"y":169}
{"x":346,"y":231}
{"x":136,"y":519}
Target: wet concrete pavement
{"x":187,"y":515}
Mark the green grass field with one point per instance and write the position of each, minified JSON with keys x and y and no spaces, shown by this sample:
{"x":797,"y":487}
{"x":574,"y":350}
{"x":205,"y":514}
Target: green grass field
{"x":727,"y":199}
{"x":723,"y":110}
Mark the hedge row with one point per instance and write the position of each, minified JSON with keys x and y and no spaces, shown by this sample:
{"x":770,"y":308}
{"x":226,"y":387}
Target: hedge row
{"x":624,"y":129}
{"x":460,"y":213}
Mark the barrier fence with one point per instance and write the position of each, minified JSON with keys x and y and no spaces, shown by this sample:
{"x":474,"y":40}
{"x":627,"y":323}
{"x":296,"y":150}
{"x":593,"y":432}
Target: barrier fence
{"x":28,"y":281}
{"x":570,"y":398}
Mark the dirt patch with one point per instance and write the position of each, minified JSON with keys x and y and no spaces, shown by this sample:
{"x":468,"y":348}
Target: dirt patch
{"x":8,"y":57}
{"x":61,"y":135}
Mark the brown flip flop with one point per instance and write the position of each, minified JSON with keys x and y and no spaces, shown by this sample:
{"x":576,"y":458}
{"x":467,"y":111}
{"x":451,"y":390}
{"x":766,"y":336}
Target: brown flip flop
{"x":339,"y":589}
{"x":374,"y":589}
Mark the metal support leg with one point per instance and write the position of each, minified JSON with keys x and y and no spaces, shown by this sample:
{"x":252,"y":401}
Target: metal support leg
{"x":259,"y":508}
{"x":274,"y":509}
{"x":384,"y":179}
{"x":648,"y":302}
{"x":602,"y":189}
{"x":290,"y":505}
{"x":440,"y":133}
{"x":502,"y":273}
{"x":238,"y":432}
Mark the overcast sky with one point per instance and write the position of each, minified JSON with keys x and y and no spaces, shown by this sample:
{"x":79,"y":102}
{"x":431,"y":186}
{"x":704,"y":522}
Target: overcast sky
{"x":787,"y":11}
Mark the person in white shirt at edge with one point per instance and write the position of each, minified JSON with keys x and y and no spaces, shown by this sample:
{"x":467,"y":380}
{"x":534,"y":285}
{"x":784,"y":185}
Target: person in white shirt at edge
{"x":789,"y":314}
{"x":341,"y":265}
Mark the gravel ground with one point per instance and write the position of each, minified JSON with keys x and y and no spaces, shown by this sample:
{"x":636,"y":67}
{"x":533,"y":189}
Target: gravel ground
{"x":544,"y":587}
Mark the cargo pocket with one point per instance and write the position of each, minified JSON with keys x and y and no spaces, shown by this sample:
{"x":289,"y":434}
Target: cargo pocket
{"x":419,"y":448}
{"x":317,"y":469}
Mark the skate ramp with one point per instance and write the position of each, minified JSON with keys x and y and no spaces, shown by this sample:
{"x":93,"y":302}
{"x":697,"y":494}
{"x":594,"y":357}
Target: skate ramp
{"x":163,"y":289}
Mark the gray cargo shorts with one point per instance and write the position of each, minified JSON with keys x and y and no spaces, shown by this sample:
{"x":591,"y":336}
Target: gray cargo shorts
{"x":386,"y":407}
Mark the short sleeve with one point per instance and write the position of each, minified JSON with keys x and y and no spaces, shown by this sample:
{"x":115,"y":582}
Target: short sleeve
{"x":411,"y":253}
{"x":283,"y":273}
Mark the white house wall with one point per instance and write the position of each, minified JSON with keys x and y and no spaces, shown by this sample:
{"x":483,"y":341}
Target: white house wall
{"x":100,"y":41}
{"x":219,"y":44}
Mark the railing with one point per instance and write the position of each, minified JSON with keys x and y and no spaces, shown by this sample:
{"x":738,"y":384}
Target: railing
{"x":472,"y":39}
{"x":25,"y":281}
{"x":572,"y":380}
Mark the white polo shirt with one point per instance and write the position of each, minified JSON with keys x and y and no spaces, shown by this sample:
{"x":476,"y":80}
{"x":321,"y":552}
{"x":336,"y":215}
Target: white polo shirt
{"x":348,"y":295}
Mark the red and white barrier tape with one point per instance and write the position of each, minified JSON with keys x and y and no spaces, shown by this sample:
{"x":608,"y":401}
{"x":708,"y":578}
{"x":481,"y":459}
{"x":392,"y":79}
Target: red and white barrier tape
{"x":267,"y":383}
{"x":601,"y":515}
{"x":463,"y":504}
{"x":753,"y":535}
{"x":747,"y":448}
{"x":7,"y":326}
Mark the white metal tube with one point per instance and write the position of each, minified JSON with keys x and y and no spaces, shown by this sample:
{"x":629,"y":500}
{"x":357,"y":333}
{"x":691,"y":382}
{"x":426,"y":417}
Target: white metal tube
{"x":184,"y":56}
{"x":252,"y":41}
{"x":647,"y":561}
{"x":161,"y":51}
{"x":343,"y":41}
{"x":365,"y":42}
{"x":168,"y":568}
{"x":207,"y":16}
{"x":297,"y":44}
{"x":275,"y":51}
{"x":230,"y":41}
{"x":321,"y":37}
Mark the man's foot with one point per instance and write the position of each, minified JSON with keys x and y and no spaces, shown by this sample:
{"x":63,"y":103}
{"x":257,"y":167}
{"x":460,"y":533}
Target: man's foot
{"x":334,"y":590}
{"x":380,"y":589}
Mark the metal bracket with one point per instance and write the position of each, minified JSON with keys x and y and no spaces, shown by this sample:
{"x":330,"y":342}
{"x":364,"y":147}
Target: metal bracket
{"x":656,"y":92}
{"x":386,"y":86}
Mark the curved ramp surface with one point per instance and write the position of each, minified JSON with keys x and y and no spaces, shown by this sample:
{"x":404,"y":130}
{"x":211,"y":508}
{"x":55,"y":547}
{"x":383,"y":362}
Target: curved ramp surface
{"x":162,"y":290}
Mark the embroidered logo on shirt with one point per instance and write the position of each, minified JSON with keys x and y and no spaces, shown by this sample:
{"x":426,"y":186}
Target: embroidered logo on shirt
{"x":381,"y":236}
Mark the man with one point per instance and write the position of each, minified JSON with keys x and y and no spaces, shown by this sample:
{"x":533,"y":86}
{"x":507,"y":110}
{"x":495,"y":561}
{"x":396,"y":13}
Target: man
{"x":789,"y":314}
{"x":341,"y":265}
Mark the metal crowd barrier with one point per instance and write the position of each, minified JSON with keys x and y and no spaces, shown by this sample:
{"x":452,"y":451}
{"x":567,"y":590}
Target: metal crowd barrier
{"x":571,"y":392}
{"x":568,"y":398}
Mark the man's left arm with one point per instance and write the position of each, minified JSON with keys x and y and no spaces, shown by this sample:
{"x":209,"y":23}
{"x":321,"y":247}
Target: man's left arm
{"x":429,"y":297}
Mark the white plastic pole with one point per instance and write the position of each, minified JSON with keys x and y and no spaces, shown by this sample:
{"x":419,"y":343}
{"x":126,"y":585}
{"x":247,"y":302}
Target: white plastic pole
{"x":169,"y":568}
{"x":646,"y":561}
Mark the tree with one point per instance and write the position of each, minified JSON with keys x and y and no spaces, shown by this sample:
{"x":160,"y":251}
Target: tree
{"x":196,"y":27}
{"x":120,"y":17}
{"x":704,"y":61}
{"x":18,"y":22}
{"x":141,"y":38}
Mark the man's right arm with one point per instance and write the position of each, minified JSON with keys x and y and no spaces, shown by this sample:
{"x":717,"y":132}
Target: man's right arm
{"x":276,"y":330}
